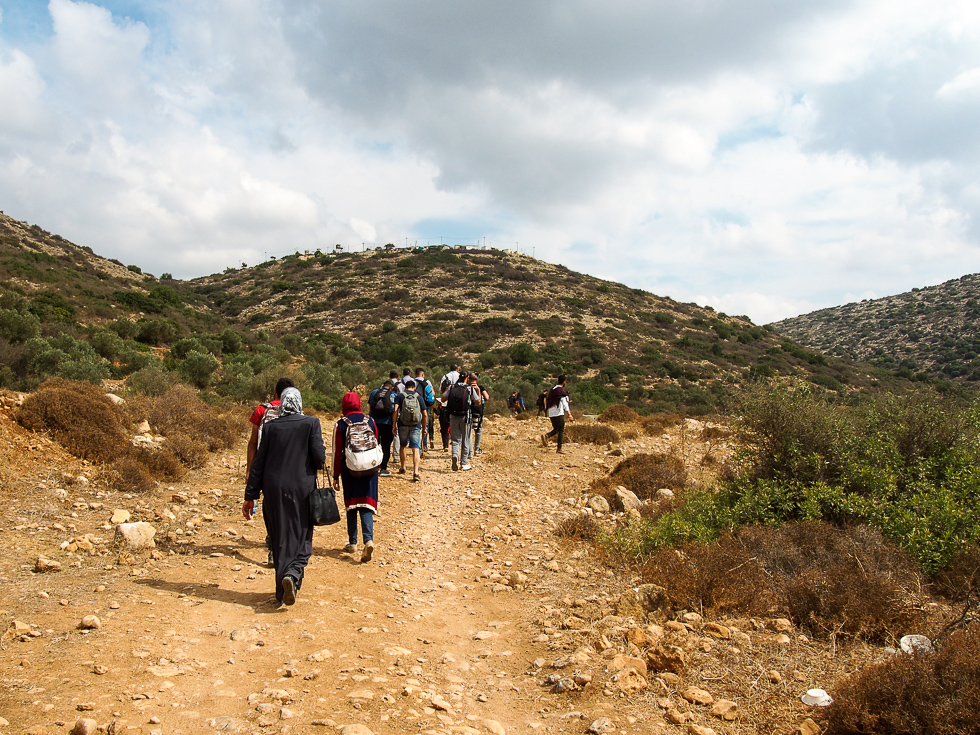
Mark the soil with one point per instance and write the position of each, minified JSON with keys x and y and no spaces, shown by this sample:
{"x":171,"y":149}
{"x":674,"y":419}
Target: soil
{"x":457,"y":625}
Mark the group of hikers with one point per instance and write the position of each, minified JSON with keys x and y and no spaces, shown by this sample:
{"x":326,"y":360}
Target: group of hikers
{"x":286,"y":451}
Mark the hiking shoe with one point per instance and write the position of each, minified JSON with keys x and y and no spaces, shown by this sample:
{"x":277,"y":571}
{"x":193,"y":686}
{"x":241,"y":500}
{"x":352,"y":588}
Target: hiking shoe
{"x":479,"y":452}
{"x":384,"y":473}
{"x":288,"y":590}
{"x":455,"y":463}
{"x":271,"y":562}
{"x":415,"y":477}
{"x":560,"y":451}
{"x":350,"y":549}
{"x":368,"y":552}
{"x":401,"y":470}
{"x":466,"y":467}
{"x":544,"y":441}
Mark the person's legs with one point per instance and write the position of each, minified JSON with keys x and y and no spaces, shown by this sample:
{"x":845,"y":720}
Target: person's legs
{"x":467,"y":444}
{"x":444,"y":430}
{"x":477,"y":432}
{"x":367,"y":531}
{"x":559,"y":424}
{"x":352,"y":527}
{"x":385,"y":438}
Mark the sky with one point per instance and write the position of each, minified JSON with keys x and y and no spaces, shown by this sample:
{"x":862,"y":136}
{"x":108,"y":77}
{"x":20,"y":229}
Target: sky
{"x":763,"y":157}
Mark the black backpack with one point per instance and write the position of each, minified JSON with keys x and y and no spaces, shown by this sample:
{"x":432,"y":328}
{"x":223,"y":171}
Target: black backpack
{"x":384,"y":401}
{"x":459,"y":398}
{"x":541,"y":397}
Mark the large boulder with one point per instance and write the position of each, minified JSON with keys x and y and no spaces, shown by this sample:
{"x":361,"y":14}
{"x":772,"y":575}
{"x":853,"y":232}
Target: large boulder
{"x":625,"y":500}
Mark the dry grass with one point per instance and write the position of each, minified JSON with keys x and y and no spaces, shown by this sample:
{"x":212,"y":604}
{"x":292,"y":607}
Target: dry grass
{"x":581,"y":526}
{"x":79,"y":416}
{"x":593,"y":433}
{"x":525,"y":416}
{"x":656,"y":424}
{"x":192,"y":453}
{"x":161,"y":463}
{"x":961,"y":577}
{"x":924,"y":694}
{"x":129,"y":476}
{"x":180,"y":411}
{"x":619,"y":414}
{"x":644,"y":474}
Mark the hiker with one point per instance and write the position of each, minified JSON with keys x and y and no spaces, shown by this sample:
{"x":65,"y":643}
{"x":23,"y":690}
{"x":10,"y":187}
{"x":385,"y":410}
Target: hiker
{"x":540,"y":401}
{"x":515,"y":403}
{"x":409,"y":418}
{"x":477,"y":412}
{"x":460,"y":398}
{"x":284,"y":472}
{"x":399,"y":388}
{"x":557,"y":406}
{"x":443,"y":413}
{"x":424,"y":387}
{"x":382,"y":406}
{"x":450,"y":378}
{"x":360,"y":492}
{"x":260,"y":416}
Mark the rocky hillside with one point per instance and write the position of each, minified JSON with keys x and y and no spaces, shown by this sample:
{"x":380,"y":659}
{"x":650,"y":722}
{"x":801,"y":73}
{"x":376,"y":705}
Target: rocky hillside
{"x":929,"y":331}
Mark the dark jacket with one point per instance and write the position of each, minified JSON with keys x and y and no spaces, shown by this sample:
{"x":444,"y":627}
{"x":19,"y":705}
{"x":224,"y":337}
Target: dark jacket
{"x":289,"y":456}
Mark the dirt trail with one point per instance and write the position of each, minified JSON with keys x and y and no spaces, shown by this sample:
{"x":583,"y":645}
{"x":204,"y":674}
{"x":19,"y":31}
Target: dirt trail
{"x":425,"y":637}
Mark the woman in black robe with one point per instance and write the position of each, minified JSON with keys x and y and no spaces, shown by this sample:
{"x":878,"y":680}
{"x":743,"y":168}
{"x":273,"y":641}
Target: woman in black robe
{"x":284,"y":473}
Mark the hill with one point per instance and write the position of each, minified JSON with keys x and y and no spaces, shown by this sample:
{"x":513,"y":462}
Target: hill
{"x":338,"y":319}
{"x":930,"y":331}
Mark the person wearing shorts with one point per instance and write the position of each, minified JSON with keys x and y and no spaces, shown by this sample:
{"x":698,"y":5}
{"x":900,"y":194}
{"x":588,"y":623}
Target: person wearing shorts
{"x":409,"y":436}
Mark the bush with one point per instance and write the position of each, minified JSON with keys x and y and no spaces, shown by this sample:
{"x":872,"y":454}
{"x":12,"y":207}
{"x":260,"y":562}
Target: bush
{"x":151,"y":381}
{"x":644,"y":474}
{"x":591,"y":434}
{"x":619,"y":414}
{"x":161,"y":463}
{"x":198,"y":368}
{"x":921,"y":694}
{"x":181,"y":411}
{"x":522,"y":353}
{"x":658,"y":423}
{"x":583,"y":526}
{"x":191,"y":452}
{"x":79,"y":416}
{"x":129,"y":476}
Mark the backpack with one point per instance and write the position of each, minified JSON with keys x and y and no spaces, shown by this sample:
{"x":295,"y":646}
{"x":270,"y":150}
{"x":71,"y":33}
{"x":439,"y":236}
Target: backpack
{"x":410,"y":412}
{"x":384,"y":401}
{"x":271,"y":412}
{"x":362,"y":453}
{"x":459,"y":398}
{"x":540,"y":402}
{"x":444,"y":384}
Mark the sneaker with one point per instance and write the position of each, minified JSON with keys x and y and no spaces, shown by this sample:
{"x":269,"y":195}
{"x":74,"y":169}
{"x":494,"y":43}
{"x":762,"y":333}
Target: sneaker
{"x":350,"y":549}
{"x":368,"y":552}
{"x":288,"y":590}
{"x":479,"y":452}
{"x":466,"y":467}
{"x":415,"y":477}
{"x":544,"y":441}
{"x":401,"y":470}
{"x":455,"y":463}
{"x":560,"y":451}
{"x":271,"y":562}
{"x":384,"y":473}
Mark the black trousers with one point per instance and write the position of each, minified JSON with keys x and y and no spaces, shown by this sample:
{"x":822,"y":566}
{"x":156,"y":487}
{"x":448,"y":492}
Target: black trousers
{"x":385,"y":438}
{"x":557,"y":429}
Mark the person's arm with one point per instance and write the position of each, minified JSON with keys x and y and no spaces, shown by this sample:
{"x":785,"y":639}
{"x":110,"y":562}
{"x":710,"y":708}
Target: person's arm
{"x":316,"y":448}
{"x":253,"y":487}
{"x":338,"y":452}
{"x":253,"y":447}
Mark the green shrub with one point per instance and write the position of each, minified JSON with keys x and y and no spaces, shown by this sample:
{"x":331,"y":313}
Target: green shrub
{"x":198,"y":368}
{"x":522,"y":353}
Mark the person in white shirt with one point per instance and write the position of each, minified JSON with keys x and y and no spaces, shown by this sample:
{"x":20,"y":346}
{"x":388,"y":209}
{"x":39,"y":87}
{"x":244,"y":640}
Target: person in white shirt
{"x":556,"y":404}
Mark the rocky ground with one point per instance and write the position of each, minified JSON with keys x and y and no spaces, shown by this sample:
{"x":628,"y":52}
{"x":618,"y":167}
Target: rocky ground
{"x":473,"y":616}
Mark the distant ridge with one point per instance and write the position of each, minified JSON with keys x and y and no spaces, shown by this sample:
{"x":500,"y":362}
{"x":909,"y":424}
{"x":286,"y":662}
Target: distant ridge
{"x":932,"y":331}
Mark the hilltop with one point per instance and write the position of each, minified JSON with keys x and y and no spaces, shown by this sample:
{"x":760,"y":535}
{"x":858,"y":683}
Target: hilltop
{"x":930,"y":331}
{"x":340,"y":319}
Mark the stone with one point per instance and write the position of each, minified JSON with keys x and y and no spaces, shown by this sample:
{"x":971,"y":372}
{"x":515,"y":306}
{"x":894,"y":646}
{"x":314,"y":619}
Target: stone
{"x":356,"y":729}
{"x":582,"y":679}
{"x":667,"y":658}
{"x":725,"y":709}
{"x":626,"y":500}
{"x":563,"y":685}
{"x":494,"y":727}
{"x":774,"y":677}
{"x":143,"y":427}
{"x":646,"y":598}
{"x":664,"y":494}
{"x":85,"y":726}
{"x":286,"y":714}
{"x":693,"y":729}
{"x":90,"y":622}
{"x":694,"y":695}
{"x":675,"y":716}
{"x":137,"y":535}
{"x":113,"y":398}
{"x":807,"y":727}
{"x":691,"y":618}
{"x":119,"y":515}
{"x":717,"y":631}
{"x":599,"y":504}
{"x":631,"y":681}
{"x":782,"y":640}
{"x":640,"y":638}
{"x":621,"y":662}
{"x":601,"y":726}
{"x":782,"y":625}
{"x":44,"y":565}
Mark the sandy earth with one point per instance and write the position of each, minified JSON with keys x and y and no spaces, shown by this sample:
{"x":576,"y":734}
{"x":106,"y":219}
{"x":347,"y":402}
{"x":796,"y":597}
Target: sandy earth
{"x":431,"y":636}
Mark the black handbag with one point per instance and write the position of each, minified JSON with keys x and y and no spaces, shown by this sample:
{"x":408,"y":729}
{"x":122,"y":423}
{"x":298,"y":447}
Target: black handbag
{"x":323,"y":506}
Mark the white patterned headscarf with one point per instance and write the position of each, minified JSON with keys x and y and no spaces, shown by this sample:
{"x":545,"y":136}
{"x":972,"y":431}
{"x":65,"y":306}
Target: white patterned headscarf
{"x":290,"y":402}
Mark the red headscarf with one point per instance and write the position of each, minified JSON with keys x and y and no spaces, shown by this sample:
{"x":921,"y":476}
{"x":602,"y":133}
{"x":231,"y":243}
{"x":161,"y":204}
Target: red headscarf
{"x":350,"y":403}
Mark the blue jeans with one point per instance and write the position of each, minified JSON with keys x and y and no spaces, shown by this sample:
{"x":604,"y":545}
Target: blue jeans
{"x":367,"y":525}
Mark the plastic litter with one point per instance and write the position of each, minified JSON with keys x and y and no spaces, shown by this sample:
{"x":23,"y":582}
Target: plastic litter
{"x":817,"y":698}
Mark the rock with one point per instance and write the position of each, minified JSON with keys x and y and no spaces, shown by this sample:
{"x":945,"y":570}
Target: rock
{"x":782,"y":640}
{"x":361,"y":694}
{"x":621,"y":662}
{"x":807,"y":727}
{"x":774,"y":677}
{"x":100,"y":669}
{"x":143,"y":427}
{"x":113,"y":398}
{"x":137,"y":535}
{"x":698,"y":696}
{"x":626,"y":500}
{"x":564,"y":684}
{"x":600,"y":726}
{"x":631,"y":681}
{"x":599,"y":504}
{"x":85,"y":726}
{"x":717,"y":631}
{"x":582,"y":679}
{"x":119,"y":515}
{"x":90,"y":622}
{"x":43,"y":565}
{"x":440,"y":704}
{"x":664,"y":494}
{"x":699,"y":730}
{"x":286,"y":714}
{"x":676,"y":717}
{"x":356,"y":729}
{"x":646,"y":598}
{"x":691,"y":618}
{"x":494,"y":727}
{"x":725,"y":709}
{"x":667,"y":658}
{"x":782,"y":625}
